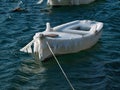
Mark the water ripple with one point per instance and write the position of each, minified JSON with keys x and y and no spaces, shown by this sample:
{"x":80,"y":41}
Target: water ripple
{"x":93,"y":69}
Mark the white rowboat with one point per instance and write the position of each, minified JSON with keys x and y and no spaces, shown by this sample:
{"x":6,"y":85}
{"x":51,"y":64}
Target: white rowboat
{"x":67,"y":38}
{"x":68,"y":2}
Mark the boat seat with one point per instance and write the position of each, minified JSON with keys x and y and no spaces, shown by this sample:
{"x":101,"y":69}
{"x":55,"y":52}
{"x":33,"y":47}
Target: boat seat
{"x":65,"y":26}
{"x":76,"y":29}
{"x":79,"y":32}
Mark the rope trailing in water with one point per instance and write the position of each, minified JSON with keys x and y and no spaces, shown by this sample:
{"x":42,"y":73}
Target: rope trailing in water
{"x":60,"y":66}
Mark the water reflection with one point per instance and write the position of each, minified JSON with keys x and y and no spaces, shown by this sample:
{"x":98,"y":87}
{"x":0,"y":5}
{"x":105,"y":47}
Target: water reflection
{"x":32,"y":66}
{"x":30,"y":73}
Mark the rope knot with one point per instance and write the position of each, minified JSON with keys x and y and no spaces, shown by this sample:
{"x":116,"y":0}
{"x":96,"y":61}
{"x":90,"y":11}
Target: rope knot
{"x":38,"y":36}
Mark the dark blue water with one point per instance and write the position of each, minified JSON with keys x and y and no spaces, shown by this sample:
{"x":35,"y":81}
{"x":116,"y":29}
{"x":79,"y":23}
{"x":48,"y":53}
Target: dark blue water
{"x":97,"y":68}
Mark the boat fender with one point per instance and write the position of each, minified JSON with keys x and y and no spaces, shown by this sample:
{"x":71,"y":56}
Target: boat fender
{"x":38,"y":45}
{"x":48,"y":27}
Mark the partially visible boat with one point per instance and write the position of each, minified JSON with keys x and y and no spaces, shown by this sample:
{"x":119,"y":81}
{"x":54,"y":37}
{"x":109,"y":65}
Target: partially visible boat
{"x":67,"y":38}
{"x":68,"y":2}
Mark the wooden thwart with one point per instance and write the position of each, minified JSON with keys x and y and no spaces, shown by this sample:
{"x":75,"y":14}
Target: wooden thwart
{"x":51,"y":35}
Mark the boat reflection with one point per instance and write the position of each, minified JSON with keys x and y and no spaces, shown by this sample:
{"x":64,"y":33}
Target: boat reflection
{"x":32,"y":66}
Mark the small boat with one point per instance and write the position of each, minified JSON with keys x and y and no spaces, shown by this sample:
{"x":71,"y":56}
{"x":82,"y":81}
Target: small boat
{"x":18,"y":10}
{"x":70,"y":37}
{"x":67,"y":2}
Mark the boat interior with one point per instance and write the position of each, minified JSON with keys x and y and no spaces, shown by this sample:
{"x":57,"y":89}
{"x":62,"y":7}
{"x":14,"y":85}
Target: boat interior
{"x":80,"y":27}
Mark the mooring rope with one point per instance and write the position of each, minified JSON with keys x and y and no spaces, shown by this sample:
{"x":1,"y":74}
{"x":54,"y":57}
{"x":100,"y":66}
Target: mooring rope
{"x":60,"y":66}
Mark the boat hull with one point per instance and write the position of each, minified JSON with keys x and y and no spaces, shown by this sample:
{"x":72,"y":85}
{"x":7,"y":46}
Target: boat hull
{"x":68,"y":38}
{"x":68,"y":2}
{"x":69,"y":45}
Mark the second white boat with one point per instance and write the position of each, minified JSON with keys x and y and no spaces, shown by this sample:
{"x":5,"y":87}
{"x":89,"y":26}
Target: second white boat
{"x":68,"y":2}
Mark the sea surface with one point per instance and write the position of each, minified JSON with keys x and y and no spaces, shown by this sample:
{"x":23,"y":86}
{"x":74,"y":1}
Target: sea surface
{"x":97,"y":68}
